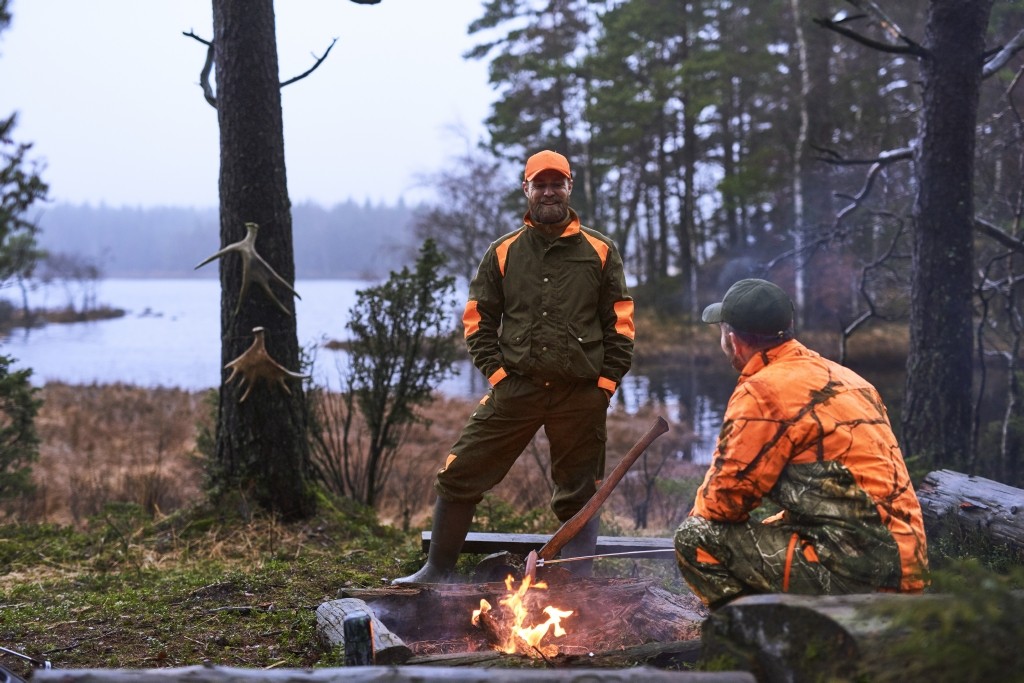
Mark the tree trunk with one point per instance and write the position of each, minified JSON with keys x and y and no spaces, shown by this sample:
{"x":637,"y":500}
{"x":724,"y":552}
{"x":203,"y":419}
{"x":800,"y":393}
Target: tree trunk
{"x":937,"y":410}
{"x":262,"y":450}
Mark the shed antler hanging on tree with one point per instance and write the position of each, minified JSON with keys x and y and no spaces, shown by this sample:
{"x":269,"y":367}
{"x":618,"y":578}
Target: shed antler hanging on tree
{"x":256,"y":364}
{"x":254,"y":268}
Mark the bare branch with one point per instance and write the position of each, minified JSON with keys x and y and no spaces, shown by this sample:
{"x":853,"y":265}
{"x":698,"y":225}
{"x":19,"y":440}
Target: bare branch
{"x":319,"y":60}
{"x":1003,"y":56}
{"x":989,"y":230}
{"x":204,"y":75}
{"x":910,"y":48}
{"x":885,"y":157}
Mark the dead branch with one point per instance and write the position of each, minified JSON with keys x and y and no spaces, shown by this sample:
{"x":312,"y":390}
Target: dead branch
{"x":204,"y":74}
{"x":909,"y":47}
{"x":885,"y":157}
{"x":313,"y":68}
{"x":1003,"y":55}
{"x":872,"y":311}
{"x":989,"y":230}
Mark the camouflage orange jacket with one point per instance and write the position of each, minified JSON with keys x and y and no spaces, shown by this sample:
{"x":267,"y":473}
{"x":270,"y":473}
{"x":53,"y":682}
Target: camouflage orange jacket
{"x":551,"y":309}
{"x":814,"y":437}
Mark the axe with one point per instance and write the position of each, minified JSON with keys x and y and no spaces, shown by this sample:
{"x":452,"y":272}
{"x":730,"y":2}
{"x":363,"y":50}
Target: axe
{"x":579,"y":520}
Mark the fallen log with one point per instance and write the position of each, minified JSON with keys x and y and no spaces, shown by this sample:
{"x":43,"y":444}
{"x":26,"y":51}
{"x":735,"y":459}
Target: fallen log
{"x":796,"y":638}
{"x":382,"y":674}
{"x":989,"y":507}
{"x":330,"y":624}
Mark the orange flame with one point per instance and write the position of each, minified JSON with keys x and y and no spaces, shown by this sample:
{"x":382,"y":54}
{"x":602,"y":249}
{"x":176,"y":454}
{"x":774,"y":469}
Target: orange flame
{"x":530,"y":635}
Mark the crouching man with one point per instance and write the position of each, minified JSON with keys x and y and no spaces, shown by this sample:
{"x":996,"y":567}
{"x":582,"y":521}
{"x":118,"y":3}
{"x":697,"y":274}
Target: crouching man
{"x":813,"y":437}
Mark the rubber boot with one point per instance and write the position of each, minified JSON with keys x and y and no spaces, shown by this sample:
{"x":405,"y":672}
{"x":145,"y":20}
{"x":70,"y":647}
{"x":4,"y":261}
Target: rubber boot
{"x":451,"y":524}
{"x":582,"y":544}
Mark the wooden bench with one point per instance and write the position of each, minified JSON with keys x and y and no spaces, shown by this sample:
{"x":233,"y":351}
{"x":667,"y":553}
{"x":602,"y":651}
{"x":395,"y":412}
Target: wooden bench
{"x":522,"y":544}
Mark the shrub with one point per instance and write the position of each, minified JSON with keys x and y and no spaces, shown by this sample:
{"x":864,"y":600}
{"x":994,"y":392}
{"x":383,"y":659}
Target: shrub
{"x":19,"y":441}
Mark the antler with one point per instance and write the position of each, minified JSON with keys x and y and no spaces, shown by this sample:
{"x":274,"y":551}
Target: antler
{"x":254,"y":268}
{"x":256,"y":364}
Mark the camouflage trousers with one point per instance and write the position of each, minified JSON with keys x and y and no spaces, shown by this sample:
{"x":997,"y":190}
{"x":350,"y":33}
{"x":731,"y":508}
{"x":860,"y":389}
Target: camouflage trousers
{"x":722,"y":561}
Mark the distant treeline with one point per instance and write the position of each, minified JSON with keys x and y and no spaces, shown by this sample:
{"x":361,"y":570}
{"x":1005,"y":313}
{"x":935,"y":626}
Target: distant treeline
{"x":349,"y":240}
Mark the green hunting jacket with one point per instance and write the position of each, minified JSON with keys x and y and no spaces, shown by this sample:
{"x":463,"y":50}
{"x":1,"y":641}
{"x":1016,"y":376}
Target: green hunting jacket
{"x":555,"y":310}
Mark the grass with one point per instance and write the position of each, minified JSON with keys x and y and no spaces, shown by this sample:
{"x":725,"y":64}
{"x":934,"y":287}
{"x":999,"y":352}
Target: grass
{"x":129,"y":591}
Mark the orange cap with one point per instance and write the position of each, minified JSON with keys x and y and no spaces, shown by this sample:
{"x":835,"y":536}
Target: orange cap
{"x":547,"y":161}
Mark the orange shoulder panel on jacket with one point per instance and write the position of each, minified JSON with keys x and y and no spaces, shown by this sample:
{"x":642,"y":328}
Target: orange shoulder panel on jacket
{"x":501,"y":251}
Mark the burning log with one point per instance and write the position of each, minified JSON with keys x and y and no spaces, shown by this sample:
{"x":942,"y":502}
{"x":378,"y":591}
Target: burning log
{"x":330,"y":620}
{"x":493,"y":623}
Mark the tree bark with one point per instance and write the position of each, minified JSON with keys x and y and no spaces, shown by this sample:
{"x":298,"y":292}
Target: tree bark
{"x":937,"y":409}
{"x":262,"y":450}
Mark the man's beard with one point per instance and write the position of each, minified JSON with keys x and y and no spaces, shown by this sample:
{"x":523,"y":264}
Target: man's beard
{"x":549,"y":213}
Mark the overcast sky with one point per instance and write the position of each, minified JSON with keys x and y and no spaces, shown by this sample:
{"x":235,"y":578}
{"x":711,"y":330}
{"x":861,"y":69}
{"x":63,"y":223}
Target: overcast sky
{"x":108,"y":93}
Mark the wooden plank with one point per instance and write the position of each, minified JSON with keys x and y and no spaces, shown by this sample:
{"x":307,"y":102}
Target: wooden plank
{"x":522,"y":544}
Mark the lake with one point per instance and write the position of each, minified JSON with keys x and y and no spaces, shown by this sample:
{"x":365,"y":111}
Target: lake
{"x":170,"y":337}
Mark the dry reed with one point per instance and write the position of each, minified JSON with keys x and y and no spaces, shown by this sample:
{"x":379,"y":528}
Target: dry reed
{"x":107,"y":443}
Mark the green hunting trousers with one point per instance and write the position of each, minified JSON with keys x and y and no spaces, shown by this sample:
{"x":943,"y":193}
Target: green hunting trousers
{"x":504,"y":422}
{"x":721,"y":561}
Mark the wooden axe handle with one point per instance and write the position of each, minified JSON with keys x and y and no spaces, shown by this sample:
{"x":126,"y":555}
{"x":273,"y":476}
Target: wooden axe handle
{"x":572,"y":527}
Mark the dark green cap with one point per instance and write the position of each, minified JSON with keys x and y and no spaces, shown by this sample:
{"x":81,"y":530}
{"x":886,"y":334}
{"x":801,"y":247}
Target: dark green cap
{"x":753,"y":306}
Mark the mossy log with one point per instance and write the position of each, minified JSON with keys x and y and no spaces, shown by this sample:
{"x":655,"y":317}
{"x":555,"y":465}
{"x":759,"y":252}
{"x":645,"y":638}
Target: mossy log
{"x":993,"y":509}
{"x":797,"y":638}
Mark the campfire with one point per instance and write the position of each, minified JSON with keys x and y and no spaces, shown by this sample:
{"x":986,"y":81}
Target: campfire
{"x":507,"y":627}
{"x":562,"y":617}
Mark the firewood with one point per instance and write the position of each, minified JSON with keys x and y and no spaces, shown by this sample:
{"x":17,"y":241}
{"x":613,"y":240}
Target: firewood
{"x":388,"y":648}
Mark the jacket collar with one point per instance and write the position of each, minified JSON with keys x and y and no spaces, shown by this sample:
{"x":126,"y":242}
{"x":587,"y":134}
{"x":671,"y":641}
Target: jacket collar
{"x":760,"y":360}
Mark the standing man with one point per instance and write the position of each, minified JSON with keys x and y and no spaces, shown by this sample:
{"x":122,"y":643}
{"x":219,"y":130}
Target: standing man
{"x":813,"y":437}
{"x":549,"y":322}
